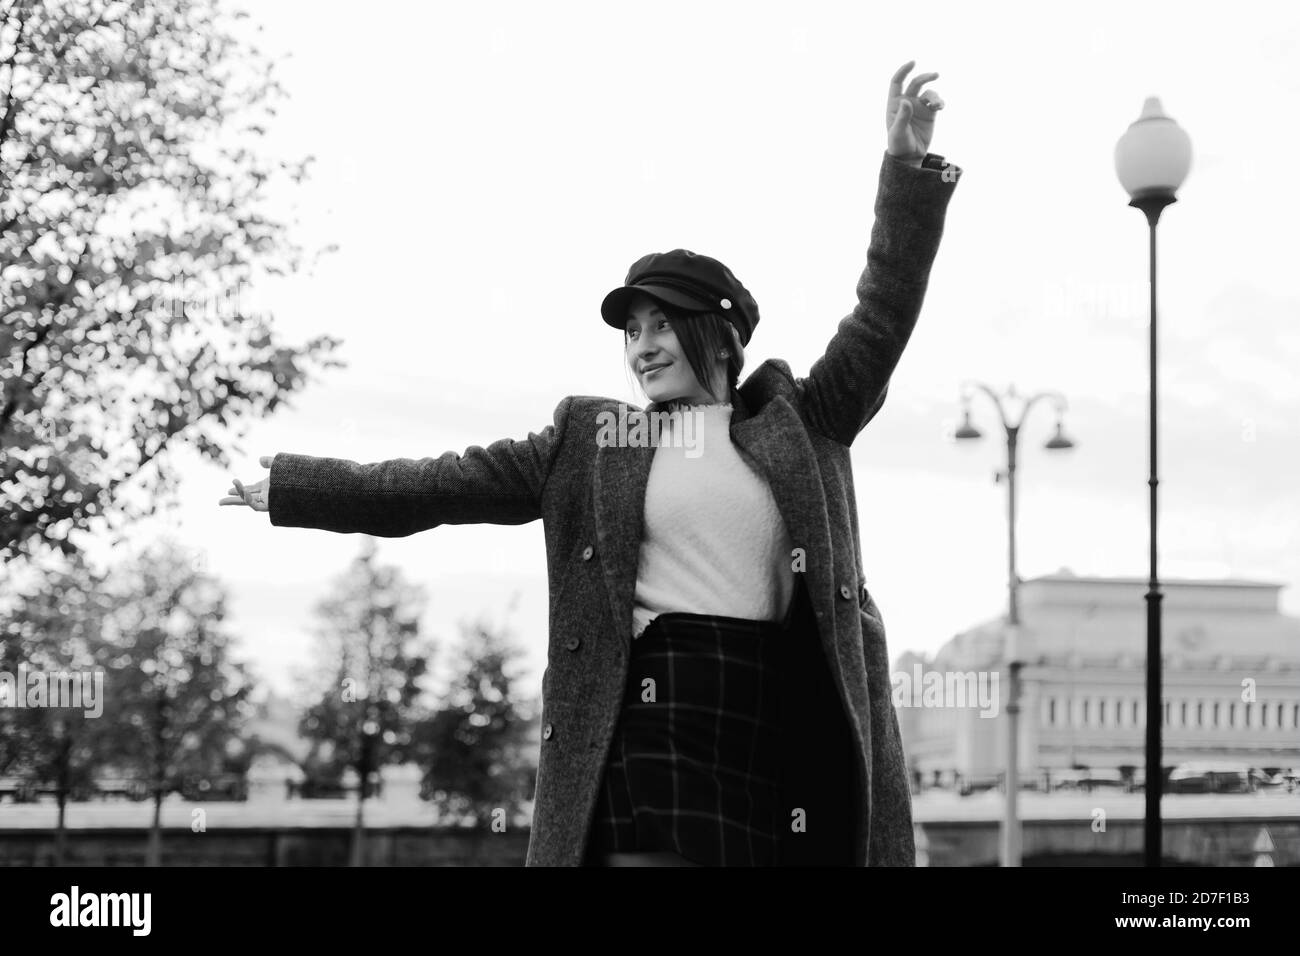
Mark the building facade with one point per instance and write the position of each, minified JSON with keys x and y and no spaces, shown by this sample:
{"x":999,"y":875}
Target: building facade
{"x":1231,"y":681}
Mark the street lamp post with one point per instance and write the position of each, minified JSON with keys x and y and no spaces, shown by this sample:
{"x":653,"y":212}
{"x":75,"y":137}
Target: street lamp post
{"x":1010,"y":849}
{"x":1152,"y":159}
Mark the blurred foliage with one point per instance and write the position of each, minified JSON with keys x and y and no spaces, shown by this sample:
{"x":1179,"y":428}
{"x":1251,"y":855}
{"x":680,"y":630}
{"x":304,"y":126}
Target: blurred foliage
{"x":134,"y":221}
{"x":371,"y":658}
{"x":56,"y":629}
{"x":172,"y":701}
{"x":177,"y":701}
{"x":477,"y":752}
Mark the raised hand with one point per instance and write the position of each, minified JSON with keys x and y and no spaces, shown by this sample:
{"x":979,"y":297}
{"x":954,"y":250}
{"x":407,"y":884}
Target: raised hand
{"x":909,"y":115}
{"x":253,"y":496}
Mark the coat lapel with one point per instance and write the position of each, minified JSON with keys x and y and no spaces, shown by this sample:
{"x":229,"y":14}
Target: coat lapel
{"x":619,"y":484}
{"x":776,"y":443}
{"x":772,"y":439}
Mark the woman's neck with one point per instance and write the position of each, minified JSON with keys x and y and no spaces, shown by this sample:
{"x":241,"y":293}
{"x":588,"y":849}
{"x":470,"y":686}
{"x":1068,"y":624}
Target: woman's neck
{"x":680,"y":404}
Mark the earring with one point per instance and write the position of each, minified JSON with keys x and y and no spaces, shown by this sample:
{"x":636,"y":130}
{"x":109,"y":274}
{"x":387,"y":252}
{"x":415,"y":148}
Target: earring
{"x":723,"y":354}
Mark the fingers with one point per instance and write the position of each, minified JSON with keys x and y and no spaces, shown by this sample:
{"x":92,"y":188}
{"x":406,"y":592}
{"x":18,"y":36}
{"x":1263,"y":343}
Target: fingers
{"x":896,"y":82}
{"x":919,"y":80}
{"x":239,"y":495}
{"x":932,"y":99}
{"x":902,"y":117}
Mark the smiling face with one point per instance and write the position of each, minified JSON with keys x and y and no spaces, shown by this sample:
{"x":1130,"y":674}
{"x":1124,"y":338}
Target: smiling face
{"x":657,"y":359}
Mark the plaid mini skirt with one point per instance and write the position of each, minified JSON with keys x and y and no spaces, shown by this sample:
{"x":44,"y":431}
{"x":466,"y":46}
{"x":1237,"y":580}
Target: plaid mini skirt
{"x":694,"y":766}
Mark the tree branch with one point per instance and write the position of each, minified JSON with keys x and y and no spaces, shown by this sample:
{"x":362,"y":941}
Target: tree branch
{"x":7,"y":120}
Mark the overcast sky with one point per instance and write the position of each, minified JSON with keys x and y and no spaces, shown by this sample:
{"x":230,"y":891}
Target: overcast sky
{"x":491,"y":170}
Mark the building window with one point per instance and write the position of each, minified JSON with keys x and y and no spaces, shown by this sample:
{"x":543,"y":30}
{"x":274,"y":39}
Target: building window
{"x":1200,"y":714}
{"x":1086,"y":702}
{"x":1051,"y":711}
{"x":1263,"y":715}
{"x":1245,"y":715}
{"x":1214,"y":714}
{"x":1101,"y":712}
{"x":1232,"y":713}
{"x":1279,"y":715}
{"x":1182,"y":714}
{"x":1135,"y":712}
{"x":1295,"y":715}
{"x":1167,"y":718}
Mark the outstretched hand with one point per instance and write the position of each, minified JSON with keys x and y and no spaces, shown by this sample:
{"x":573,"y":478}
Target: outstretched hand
{"x":909,"y":115}
{"x":255,"y":496}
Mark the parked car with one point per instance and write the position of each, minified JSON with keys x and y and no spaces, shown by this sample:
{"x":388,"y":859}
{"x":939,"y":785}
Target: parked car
{"x":1208,"y":777}
{"x":132,"y":788}
{"x":1087,"y":780}
{"x":1266,"y":780}
{"x":218,"y":786}
{"x":317,"y":790}
{"x":980,"y":783}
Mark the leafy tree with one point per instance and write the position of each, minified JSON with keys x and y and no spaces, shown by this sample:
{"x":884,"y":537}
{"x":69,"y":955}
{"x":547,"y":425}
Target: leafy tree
{"x":56,"y":630}
{"x":370,"y":662}
{"x":477,"y":751}
{"x":133,"y":219}
{"x":171,"y":703}
{"x":177,"y":701}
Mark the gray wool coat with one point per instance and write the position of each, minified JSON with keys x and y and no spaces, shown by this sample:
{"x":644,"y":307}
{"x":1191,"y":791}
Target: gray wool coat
{"x":590,"y":497}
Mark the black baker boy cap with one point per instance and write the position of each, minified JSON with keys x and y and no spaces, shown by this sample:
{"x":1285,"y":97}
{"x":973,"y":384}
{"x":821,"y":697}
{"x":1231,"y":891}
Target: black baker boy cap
{"x":689,"y":281}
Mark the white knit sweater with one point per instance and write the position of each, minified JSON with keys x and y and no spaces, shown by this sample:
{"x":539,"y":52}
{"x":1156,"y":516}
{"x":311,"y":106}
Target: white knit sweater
{"x":714,"y":541}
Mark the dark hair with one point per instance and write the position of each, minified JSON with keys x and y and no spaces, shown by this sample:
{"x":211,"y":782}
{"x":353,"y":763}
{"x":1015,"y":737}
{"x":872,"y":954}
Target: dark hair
{"x":702,"y":336}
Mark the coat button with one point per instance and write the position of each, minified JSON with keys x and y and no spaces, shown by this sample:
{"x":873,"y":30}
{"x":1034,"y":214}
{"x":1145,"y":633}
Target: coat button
{"x":546,"y":733}
{"x":845,"y":592}
{"x":587,"y":552}
{"x":573,"y":643}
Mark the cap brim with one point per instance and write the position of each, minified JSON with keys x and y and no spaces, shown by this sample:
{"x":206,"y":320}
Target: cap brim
{"x":614,"y":309}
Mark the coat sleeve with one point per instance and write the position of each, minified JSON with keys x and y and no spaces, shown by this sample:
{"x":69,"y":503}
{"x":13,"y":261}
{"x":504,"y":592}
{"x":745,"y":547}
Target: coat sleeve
{"x":847,"y":385}
{"x":499,"y":484}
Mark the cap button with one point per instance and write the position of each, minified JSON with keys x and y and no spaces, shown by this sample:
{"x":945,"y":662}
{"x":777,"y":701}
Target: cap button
{"x":725,"y":303}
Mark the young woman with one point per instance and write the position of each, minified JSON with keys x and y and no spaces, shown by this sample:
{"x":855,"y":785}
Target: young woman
{"x":717,"y":689}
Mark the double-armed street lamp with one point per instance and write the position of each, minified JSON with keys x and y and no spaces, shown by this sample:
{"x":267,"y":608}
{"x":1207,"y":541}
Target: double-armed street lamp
{"x":1010,"y":848}
{"x":1152,"y":159}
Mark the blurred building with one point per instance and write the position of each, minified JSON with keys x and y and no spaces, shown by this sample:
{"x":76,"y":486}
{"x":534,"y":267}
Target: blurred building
{"x":1231,"y":681}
